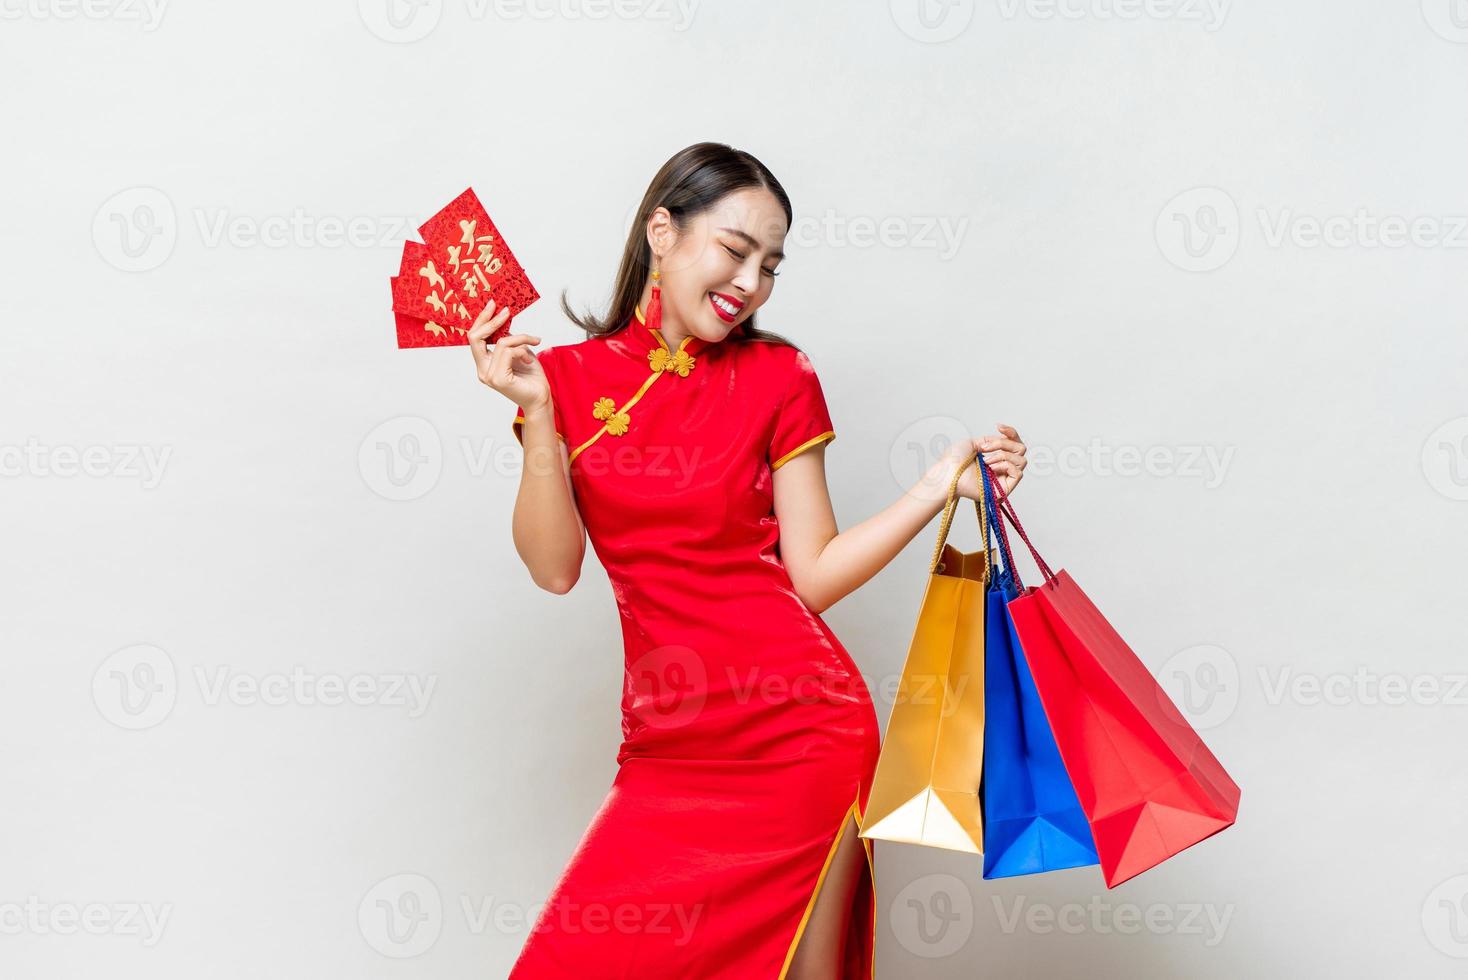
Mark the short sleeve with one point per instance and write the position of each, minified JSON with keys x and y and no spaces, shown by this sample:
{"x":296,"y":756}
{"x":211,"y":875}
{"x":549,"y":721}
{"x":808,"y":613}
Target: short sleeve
{"x":519,"y":419}
{"x":802,"y":420}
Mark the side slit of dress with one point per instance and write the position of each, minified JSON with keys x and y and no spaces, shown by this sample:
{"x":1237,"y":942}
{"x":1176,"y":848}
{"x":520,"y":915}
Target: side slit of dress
{"x":858,"y":923}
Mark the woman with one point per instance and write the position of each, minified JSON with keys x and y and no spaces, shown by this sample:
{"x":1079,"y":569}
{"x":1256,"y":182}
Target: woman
{"x":689,"y":446}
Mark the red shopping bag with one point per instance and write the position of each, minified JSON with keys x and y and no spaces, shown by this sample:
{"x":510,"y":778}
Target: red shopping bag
{"x":1147,"y":784}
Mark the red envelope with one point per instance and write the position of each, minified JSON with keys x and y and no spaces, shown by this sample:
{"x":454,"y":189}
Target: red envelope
{"x":413,"y":332}
{"x":445,"y":282}
{"x":415,"y":289}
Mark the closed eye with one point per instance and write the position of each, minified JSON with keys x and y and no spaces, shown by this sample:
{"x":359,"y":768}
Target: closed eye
{"x":740,"y":256}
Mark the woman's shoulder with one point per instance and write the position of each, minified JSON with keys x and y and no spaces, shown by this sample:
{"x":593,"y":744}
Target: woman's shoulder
{"x":774,"y":352}
{"x":571,"y":354}
{"x":780,"y":360}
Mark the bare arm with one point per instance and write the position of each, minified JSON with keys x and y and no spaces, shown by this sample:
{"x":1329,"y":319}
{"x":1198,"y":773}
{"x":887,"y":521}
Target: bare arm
{"x":826,"y":564}
{"x":549,"y":534}
{"x":547,"y":528}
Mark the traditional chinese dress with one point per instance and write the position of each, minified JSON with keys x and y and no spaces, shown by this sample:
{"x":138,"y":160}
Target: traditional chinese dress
{"x":749,"y":736}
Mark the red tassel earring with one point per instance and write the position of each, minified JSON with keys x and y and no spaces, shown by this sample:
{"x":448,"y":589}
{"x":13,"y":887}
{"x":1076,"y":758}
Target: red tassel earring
{"x":654,"y":318}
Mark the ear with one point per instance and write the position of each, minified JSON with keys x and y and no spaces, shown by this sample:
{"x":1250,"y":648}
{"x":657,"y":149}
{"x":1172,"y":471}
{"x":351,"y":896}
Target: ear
{"x":660,"y":234}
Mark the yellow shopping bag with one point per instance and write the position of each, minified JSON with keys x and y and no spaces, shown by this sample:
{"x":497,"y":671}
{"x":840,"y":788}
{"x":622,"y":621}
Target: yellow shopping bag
{"x":926,"y":787}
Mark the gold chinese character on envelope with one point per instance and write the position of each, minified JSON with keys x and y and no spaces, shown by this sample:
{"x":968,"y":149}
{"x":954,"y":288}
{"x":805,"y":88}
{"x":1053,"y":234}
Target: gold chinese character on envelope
{"x":445,"y":282}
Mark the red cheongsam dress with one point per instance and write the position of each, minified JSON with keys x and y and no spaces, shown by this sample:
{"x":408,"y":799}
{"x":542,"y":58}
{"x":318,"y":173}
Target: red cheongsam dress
{"x":749,"y":735}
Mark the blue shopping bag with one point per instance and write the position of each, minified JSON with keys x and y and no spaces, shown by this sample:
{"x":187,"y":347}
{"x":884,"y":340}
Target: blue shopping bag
{"x":1033,"y":821}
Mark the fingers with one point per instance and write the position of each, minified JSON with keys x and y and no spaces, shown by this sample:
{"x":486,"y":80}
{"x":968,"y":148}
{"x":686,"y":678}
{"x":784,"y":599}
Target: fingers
{"x":1008,"y":445}
{"x":498,"y":361}
{"x":1004,"y":468}
{"x":1005,"y":456}
{"x":995,"y":448}
{"x":1008,"y":430}
{"x":490,"y":319}
{"x":1014,"y":461}
{"x":1005,"y":477}
{"x":510,"y":340}
{"x":1008,"y":438}
{"x":1008,"y":470}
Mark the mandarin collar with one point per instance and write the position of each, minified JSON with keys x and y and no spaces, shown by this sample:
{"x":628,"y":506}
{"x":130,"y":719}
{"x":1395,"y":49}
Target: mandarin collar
{"x":640,"y":342}
{"x":651,"y":338}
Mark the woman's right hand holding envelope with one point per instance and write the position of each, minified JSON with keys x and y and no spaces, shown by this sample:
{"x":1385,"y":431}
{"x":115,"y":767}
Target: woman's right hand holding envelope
{"x":510,"y":367}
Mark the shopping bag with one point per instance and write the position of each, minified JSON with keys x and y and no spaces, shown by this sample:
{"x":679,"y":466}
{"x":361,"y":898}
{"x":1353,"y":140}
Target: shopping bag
{"x":1148,"y":785}
{"x":1032,"y":819}
{"x":926,"y":786}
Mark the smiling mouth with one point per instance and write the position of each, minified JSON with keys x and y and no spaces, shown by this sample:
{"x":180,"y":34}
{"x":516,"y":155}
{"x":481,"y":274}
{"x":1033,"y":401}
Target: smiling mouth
{"x":727,"y":307}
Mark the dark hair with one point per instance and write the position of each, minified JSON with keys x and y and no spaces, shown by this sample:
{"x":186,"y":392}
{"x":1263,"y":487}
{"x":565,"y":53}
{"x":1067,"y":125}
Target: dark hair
{"x":693,"y":181}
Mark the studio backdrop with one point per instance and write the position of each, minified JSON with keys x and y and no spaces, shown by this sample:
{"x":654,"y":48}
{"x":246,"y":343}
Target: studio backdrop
{"x":279,"y":697}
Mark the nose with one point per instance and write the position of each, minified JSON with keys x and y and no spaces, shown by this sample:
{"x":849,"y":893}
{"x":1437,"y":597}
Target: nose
{"x":746,"y":280}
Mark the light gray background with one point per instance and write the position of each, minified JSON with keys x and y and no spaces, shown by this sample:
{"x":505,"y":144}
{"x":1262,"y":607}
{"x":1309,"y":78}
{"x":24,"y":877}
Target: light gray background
{"x":1208,"y":259}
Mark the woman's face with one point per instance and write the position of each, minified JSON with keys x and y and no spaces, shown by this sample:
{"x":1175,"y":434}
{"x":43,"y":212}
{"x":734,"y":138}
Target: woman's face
{"x":722,"y":267}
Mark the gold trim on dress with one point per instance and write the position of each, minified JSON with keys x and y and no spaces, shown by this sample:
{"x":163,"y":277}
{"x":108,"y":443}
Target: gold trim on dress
{"x":826,"y":436}
{"x":853,"y":811}
{"x":520,"y":420}
{"x":620,"y":413}
{"x":662,"y":360}
{"x":680,"y":362}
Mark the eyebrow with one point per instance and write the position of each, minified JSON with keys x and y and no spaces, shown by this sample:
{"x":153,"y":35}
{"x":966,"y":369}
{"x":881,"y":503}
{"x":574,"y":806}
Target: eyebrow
{"x":751,"y":240}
